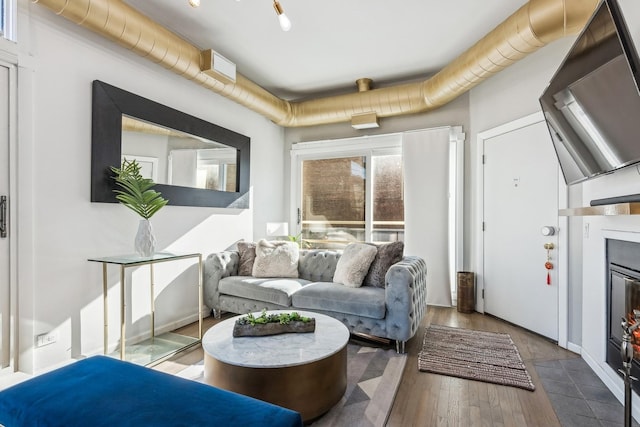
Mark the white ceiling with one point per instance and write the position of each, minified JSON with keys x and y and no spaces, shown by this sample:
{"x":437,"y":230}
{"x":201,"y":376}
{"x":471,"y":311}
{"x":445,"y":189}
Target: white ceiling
{"x":332,"y":43}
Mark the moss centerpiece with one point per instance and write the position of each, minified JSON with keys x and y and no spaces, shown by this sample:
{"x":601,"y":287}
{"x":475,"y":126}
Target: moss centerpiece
{"x":272,"y":324}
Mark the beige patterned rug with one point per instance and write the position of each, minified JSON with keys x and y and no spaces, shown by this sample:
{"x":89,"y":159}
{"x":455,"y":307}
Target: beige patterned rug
{"x":476,"y":355}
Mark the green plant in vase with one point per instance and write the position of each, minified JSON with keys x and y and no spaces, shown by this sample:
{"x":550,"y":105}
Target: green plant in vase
{"x":136,"y":193}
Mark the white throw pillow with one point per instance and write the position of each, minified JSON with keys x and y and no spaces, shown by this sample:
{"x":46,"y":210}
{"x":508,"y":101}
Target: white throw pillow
{"x":276,"y":259}
{"x":354,"y":264}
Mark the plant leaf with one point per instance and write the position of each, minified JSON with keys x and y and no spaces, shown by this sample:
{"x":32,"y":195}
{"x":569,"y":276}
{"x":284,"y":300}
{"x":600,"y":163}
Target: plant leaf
{"x":136,"y":192}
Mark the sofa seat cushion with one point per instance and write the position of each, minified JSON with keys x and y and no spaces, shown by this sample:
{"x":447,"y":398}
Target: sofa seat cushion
{"x":274,"y":290}
{"x":364,"y":301}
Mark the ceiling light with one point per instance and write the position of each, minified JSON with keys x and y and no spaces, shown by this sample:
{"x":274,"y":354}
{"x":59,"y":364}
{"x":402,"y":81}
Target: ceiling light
{"x":285,"y":23}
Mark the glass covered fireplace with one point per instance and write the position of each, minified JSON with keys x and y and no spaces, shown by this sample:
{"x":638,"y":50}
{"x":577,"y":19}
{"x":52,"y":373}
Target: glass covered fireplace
{"x":623,"y":296}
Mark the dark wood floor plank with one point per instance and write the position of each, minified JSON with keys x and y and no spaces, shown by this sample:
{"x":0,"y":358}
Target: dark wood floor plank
{"x":485,"y":408}
{"x":446,"y":399}
{"x":497,"y":416}
{"x":464,"y":408}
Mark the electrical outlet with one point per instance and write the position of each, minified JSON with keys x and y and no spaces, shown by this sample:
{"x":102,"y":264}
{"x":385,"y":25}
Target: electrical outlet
{"x":48,"y":338}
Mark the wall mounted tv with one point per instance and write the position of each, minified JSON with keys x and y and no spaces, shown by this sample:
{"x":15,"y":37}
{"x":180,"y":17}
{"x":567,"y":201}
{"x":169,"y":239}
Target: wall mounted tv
{"x":592,"y":103}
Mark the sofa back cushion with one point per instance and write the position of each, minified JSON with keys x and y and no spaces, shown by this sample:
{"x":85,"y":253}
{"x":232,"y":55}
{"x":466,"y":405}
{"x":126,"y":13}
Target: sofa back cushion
{"x":318,"y":265}
{"x":354,"y":264}
{"x":388,"y":254}
{"x":247,"y":252}
{"x":276,"y":259}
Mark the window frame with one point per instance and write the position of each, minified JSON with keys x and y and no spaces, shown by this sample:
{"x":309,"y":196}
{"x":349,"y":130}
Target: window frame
{"x":366,"y":147}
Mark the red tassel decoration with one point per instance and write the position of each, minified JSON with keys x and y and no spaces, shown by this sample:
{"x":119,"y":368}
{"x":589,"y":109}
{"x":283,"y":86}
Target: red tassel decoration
{"x":549,"y":266}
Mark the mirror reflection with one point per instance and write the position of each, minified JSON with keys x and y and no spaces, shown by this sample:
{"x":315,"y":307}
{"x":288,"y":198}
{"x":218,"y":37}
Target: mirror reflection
{"x":169,"y":156}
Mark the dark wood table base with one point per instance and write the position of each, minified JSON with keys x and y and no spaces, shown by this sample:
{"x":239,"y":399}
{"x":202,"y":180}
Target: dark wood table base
{"x":310,"y":389}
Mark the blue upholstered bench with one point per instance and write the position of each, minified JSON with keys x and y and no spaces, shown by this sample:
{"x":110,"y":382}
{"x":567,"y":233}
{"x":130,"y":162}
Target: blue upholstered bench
{"x":102,"y":391}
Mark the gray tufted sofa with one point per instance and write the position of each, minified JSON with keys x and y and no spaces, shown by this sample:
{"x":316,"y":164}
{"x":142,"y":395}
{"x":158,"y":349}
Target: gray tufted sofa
{"x":393,"y":312}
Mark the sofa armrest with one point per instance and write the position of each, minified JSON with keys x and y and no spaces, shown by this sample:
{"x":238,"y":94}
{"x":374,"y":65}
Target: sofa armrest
{"x":406,"y":297}
{"x":216,"y":266}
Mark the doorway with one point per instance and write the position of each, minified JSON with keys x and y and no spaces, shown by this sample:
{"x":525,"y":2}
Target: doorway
{"x":520,"y":191}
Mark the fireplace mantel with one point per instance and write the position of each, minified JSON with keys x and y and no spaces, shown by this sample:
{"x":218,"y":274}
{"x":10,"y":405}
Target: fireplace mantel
{"x":609,"y":210}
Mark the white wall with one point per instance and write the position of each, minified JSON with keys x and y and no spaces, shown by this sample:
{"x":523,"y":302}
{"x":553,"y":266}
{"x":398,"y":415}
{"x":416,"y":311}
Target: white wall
{"x":60,"y":228}
{"x":513,"y":93}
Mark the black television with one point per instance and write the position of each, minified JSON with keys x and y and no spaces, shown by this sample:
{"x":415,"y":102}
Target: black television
{"x":592,"y":103}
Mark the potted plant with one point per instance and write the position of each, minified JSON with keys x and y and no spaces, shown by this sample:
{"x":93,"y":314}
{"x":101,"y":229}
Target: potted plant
{"x":137,"y":193}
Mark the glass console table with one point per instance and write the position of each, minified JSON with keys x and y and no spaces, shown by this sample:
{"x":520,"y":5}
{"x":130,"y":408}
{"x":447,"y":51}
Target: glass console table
{"x":156,"y":348}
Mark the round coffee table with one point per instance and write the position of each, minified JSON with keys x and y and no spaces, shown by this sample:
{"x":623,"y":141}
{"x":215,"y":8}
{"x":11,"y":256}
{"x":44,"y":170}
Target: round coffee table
{"x":306,"y":372}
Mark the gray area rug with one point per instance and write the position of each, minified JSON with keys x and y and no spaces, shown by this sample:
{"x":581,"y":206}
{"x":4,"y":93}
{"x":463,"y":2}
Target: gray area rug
{"x":373,"y":377}
{"x":476,"y":355}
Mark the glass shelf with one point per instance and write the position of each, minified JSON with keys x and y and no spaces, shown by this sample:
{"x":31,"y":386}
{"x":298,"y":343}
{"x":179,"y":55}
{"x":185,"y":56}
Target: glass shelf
{"x":134,"y":259}
{"x":154,"y":350}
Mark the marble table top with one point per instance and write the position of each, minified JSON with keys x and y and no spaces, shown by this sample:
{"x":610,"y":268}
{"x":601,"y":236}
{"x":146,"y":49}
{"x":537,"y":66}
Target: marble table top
{"x":276,"y":351}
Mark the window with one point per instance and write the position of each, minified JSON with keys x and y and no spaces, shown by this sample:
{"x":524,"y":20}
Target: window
{"x":388,"y":198}
{"x":2,"y":17}
{"x":333,"y":196}
{"x":216,"y":169}
{"x":7,"y":19}
{"x":348,"y":196}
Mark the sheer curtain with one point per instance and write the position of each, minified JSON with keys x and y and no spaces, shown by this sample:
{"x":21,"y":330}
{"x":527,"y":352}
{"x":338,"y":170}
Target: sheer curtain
{"x":425,"y":156}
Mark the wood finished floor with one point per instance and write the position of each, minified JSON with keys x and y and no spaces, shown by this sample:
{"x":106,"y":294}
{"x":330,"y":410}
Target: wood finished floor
{"x":425,"y":399}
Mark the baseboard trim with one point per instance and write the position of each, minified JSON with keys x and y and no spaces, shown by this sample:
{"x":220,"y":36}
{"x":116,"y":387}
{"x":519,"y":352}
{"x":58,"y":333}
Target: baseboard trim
{"x":575,"y":348}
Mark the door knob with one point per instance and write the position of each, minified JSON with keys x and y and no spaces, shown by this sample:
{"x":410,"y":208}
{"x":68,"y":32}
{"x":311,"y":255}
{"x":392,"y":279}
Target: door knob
{"x":548,"y":230}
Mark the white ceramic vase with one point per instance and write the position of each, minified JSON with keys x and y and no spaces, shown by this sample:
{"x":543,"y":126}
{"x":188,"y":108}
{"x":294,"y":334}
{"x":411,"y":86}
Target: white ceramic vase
{"x":145,"y":242}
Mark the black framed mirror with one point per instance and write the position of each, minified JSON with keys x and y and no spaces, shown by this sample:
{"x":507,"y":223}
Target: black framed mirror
{"x":207,"y":148}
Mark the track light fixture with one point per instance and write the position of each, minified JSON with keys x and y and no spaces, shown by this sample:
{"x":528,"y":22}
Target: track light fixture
{"x":285,"y":22}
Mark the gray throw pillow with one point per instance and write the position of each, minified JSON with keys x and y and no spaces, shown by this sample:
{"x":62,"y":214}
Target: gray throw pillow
{"x":247,"y":253}
{"x":276,"y":259}
{"x":353,"y":264}
{"x":388,"y":254}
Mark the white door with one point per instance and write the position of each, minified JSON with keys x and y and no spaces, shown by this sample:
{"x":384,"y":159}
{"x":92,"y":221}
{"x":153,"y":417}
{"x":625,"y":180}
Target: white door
{"x":5,"y":351}
{"x":520,"y":198}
